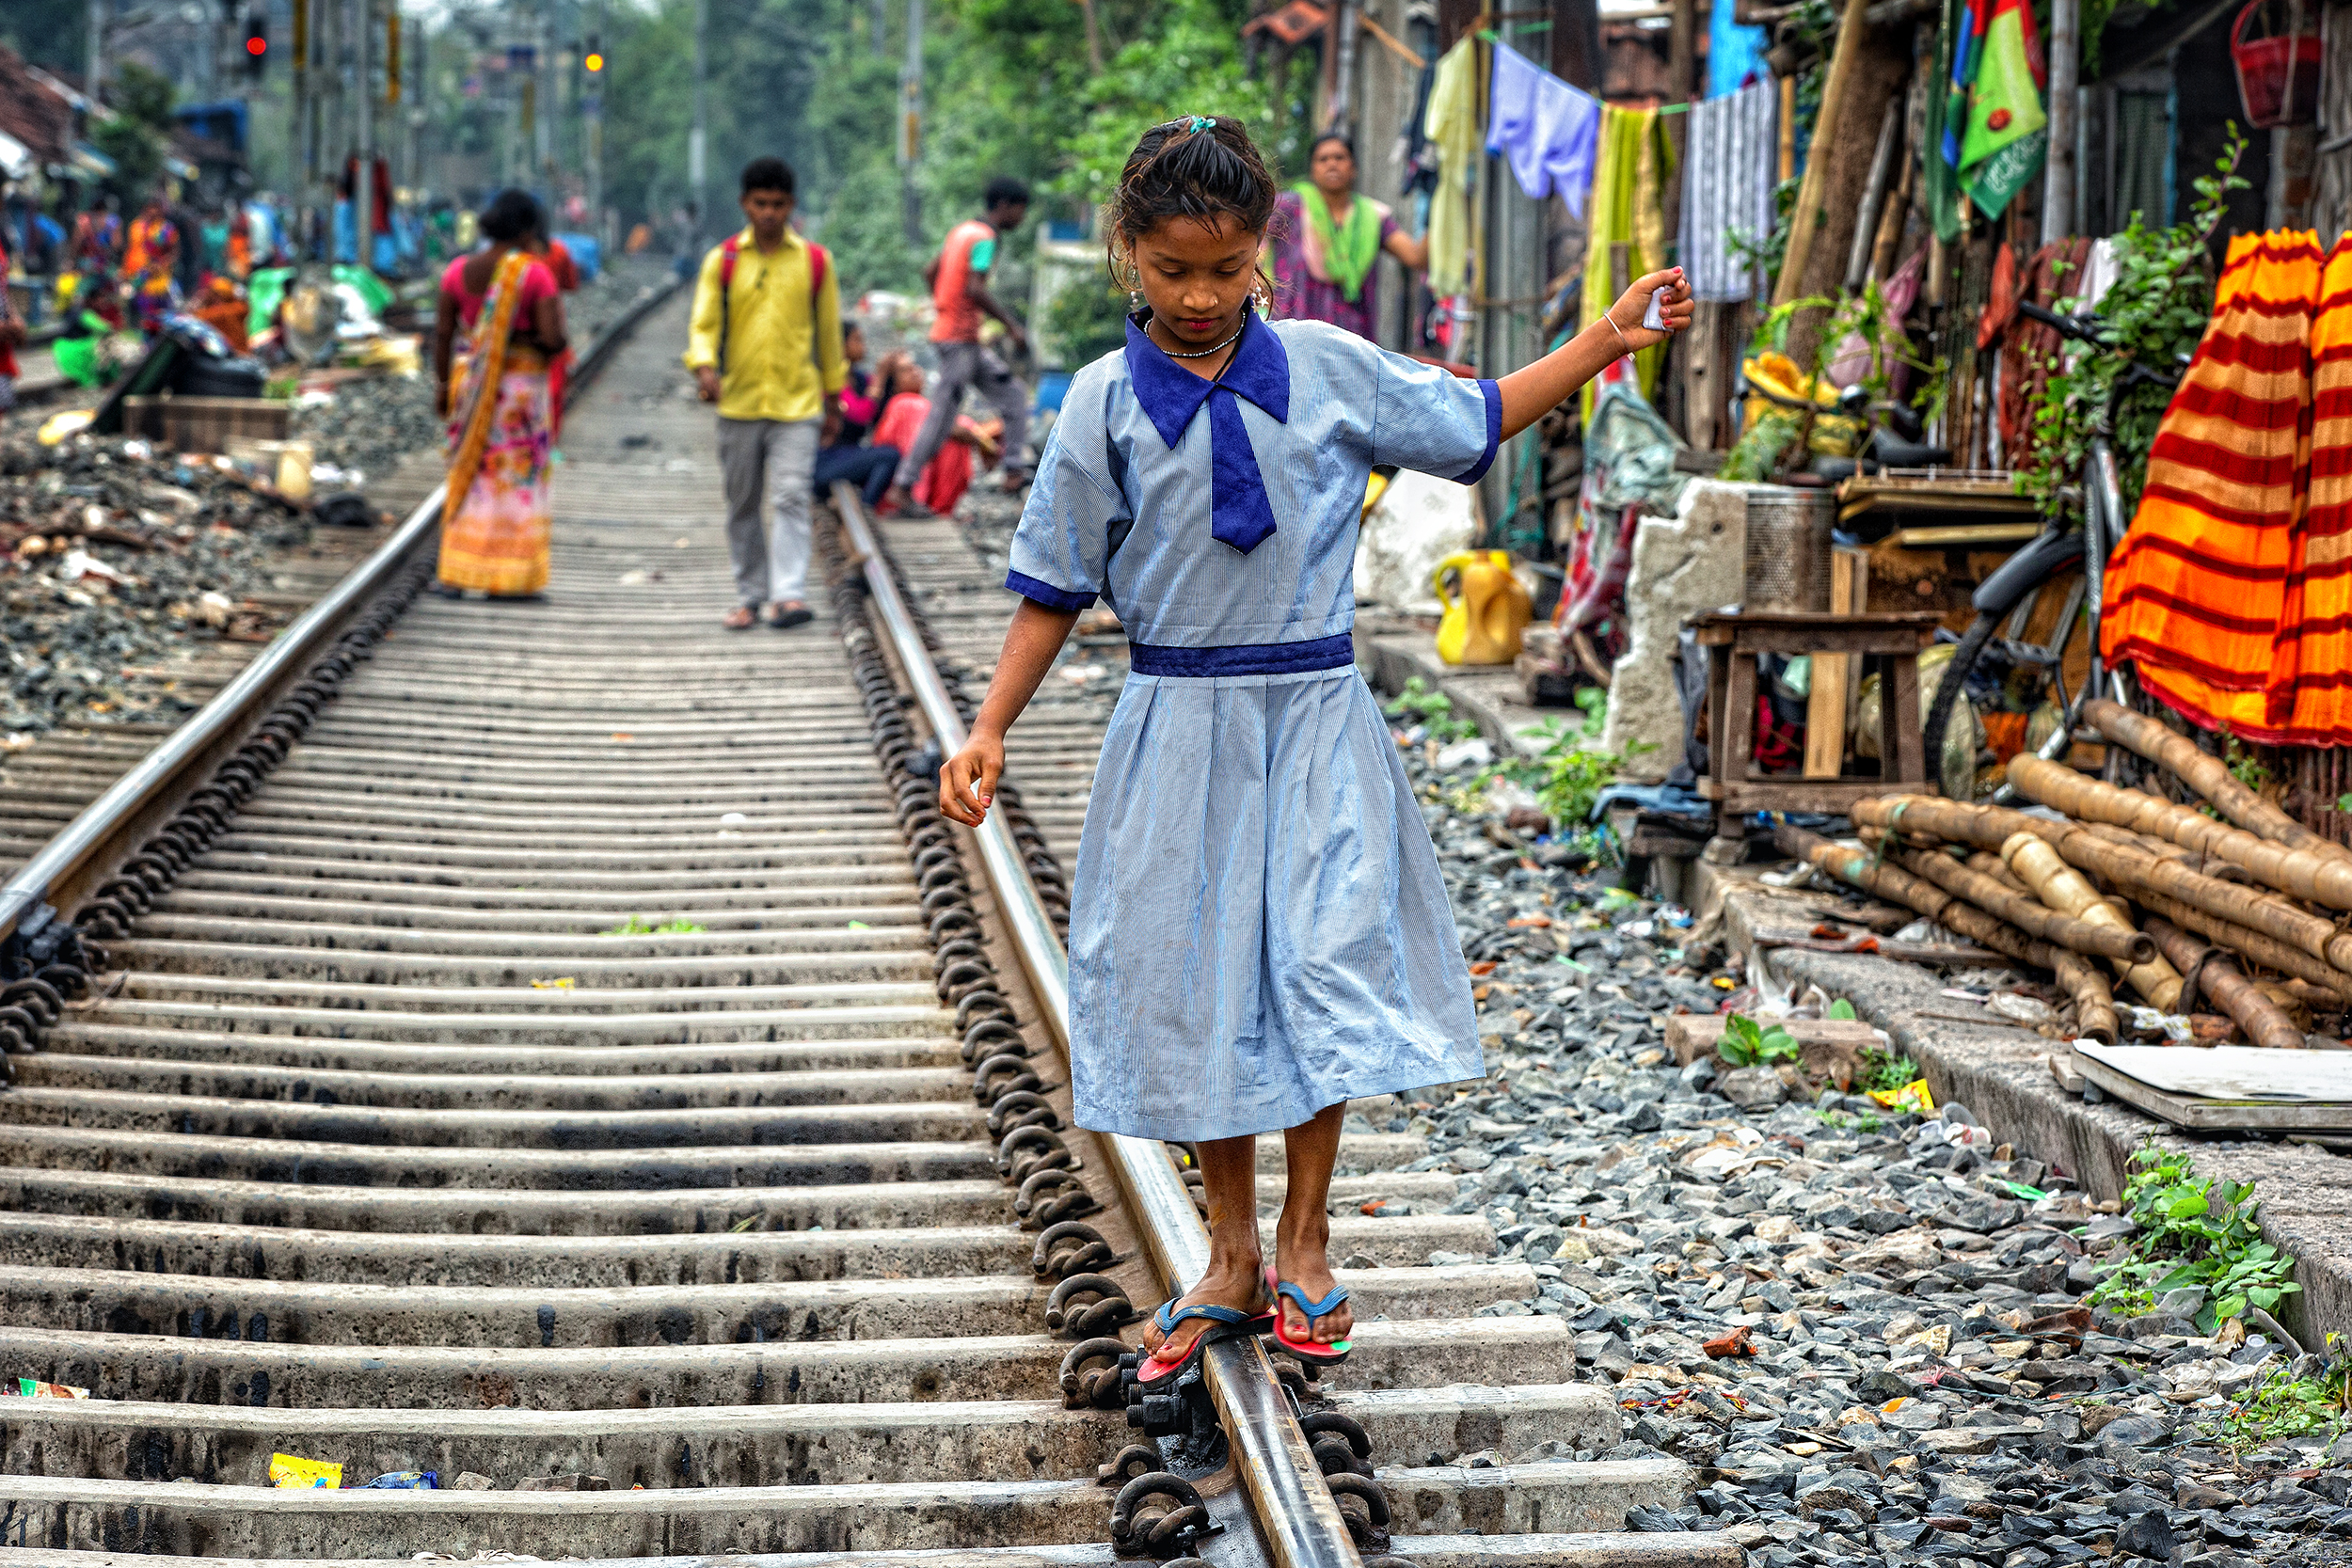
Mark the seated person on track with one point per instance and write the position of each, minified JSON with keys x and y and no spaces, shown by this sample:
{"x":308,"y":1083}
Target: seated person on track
{"x":1259,"y":931}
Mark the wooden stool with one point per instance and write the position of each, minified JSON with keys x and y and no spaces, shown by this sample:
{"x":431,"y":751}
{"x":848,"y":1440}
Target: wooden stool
{"x":1892,"y":638}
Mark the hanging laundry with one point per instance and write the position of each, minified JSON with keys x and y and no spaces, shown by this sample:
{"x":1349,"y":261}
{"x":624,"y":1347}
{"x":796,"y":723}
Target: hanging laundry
{"x":1451,"y":121}
{"x":1990,"y":131}
{"x":2309,"y":698}
{"x":2196,"y":594}
{"x":1728,"y":168}
{"x":1629,"y":173}
{"x":1547,"y":129}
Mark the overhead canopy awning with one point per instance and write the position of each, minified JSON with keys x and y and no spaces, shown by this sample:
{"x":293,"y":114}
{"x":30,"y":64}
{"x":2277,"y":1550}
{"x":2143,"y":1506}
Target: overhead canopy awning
{"x":16,"y":159}
{"x":89,"y":160}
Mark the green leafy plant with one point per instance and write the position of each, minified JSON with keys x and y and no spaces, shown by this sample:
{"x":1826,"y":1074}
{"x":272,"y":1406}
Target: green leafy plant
{"x":2244,"y":762}
{"x":1421,"y":703}
{"x":2157,"y":310}
{"x":2193,"y":1232}
{"x":1842,"y":1010}
{"x":1885,"y":1071}
{"x":1747,"y":1043}
{"x":633,"y":927}
{"x":2281,"y":1406}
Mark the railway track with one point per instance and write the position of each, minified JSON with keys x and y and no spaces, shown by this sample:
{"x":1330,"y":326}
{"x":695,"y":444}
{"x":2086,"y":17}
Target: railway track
{"x":537,"y":1044}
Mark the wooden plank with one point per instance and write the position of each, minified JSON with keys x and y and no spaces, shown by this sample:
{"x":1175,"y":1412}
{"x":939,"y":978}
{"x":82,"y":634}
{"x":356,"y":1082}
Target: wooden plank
{"x":1787,"y":792}
{"x":1825,"y":700}
{"x":1965,"y":536}
{"x":2201,"y":1114}
{"x":1691,"y":1035}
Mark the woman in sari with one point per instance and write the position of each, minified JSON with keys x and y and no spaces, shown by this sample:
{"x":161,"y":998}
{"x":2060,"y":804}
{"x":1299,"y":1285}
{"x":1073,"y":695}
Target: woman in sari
{"x":1327,"y":241}
{"x":494,"y":390}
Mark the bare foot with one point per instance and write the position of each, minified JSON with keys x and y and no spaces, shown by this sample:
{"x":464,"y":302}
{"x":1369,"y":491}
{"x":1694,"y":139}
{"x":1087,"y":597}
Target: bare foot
{"x":1238,"y":1283}
{"x":1302,"y":1258}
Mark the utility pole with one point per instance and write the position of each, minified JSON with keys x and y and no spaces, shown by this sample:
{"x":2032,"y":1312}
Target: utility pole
{"x":1343,"y":72}
{"x":300,"y":154}
{"x":544,"y":129}
{"x":363,"y":180}
{"x":697,"y":139}
{"x":2057,"y":168}
{"x":592,"y":107}
{"x":94,"y":54}
{"x":910,"y":128}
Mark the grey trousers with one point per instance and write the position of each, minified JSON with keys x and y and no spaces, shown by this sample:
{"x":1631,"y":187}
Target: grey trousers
{"x":770,"y":460}
{"x":963,"y":365}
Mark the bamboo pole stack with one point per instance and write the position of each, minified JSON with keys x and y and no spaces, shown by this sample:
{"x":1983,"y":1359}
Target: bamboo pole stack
{"x":2230,"y":912}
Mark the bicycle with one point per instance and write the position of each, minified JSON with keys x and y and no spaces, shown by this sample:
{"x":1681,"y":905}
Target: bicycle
{"x":2010,"y":593}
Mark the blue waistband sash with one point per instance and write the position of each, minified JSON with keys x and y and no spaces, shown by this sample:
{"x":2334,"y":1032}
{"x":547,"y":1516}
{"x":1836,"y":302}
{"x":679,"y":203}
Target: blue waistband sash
{"x":1252,"y":658}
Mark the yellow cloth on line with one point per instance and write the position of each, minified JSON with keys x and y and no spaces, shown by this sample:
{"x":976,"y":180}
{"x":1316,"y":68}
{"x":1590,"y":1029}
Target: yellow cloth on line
{"x":1627,"y":208}
{"x":1452,"y":121}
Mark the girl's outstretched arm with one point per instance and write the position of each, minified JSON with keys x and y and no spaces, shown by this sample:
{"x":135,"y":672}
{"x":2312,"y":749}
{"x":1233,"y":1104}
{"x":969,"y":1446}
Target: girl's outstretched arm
{"x":967,"y":780}
{"x":1533,"y":391}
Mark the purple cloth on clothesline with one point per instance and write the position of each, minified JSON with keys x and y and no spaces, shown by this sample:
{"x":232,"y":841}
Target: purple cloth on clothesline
{"x":1545,"y":129}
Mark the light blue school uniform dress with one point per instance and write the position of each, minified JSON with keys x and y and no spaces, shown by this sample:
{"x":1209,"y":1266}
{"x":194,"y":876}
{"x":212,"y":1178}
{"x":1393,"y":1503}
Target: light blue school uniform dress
{"x":1258,"y":928}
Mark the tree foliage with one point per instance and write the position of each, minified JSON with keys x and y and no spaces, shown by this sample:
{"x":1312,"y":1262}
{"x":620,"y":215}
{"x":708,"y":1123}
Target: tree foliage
{"x":137,"y":134}
{"x":1008,"y":89}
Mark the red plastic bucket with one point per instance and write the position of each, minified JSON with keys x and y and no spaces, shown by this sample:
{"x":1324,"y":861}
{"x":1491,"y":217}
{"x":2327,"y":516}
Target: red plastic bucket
{"x":2268,"y":66}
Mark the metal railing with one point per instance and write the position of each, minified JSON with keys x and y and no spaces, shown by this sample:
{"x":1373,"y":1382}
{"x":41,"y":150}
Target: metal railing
{"x":1294,"y":1509}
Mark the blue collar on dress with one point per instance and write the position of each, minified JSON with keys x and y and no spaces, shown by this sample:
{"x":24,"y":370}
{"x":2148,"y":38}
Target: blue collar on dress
{"x":1239,"y":513}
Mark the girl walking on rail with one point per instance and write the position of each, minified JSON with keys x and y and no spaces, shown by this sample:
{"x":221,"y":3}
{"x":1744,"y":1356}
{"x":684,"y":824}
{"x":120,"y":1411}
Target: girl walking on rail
{"x":1259,"y":932}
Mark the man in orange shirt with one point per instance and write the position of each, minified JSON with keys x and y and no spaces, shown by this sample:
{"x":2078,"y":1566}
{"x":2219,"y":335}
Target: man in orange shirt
{"x":960,"y":298}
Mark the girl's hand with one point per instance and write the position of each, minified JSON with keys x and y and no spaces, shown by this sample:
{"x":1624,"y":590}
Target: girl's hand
{"x":967,"y":780}
{"x":1626,"y":314}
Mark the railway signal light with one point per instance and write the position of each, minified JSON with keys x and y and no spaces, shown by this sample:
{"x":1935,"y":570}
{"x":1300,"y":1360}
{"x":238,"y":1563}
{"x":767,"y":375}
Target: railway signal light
{"x":256,"y":42}
{"x":594,"y":60}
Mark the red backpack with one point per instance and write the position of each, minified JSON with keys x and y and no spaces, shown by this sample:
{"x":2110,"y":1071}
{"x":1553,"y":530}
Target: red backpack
{"x":728,"y":249}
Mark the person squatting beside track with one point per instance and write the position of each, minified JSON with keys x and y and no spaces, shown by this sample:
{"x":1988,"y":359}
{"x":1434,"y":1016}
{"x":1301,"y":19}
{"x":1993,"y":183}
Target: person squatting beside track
{"x":1259,"y":932}
{"x":765,"y":346}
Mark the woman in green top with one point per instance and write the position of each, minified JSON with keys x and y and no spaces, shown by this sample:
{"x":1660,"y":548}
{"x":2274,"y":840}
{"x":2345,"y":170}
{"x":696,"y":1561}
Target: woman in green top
{"x":1327,"y":240}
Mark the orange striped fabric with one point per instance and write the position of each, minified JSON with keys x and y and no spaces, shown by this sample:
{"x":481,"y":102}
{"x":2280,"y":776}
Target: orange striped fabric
{"x":2311,"y":680}
{"x":2196,"y":593}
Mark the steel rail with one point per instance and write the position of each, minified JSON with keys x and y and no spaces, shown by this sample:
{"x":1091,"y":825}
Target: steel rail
{"x":85,"y":839}
{"x":1294,"y":1509}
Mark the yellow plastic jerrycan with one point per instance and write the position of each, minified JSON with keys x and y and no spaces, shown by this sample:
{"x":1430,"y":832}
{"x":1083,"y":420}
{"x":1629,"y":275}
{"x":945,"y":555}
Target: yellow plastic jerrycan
{"x":1483,"y":626}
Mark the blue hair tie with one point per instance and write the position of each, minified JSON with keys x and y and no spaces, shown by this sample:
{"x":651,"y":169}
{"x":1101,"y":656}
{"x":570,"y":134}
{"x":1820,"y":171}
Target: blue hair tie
{"x":1200,"y":124}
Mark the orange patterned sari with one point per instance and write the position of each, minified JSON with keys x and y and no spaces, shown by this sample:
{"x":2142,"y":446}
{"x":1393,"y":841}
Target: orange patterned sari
{"x":495,"y":518}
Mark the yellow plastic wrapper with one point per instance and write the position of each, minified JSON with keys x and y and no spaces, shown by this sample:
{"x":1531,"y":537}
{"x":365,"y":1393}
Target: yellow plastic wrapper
{"x":1834,"y":434}
{"x":286,"y":1469}
{"x":33,"y":1388}
{"x":1913,"y":1096}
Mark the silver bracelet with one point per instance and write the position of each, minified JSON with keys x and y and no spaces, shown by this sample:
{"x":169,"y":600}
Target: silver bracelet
{"x":1618,"y":330}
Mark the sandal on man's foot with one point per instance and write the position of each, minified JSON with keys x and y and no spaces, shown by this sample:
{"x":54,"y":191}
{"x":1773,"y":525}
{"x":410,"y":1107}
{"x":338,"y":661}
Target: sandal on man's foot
{"x":1310,"y":1350}
{"x":1224,"y":1323}
{"x":742,"y":618}
{"x":788,"y":616}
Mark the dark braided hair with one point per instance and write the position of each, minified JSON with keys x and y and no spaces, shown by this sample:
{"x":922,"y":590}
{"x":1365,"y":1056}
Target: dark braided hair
{"x":1196,"y":168}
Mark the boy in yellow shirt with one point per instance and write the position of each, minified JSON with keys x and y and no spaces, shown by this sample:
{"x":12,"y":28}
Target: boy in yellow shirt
{"x":765,"y":346}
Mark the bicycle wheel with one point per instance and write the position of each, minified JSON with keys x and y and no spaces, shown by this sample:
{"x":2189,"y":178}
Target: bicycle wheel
{"x":1955,"y":681}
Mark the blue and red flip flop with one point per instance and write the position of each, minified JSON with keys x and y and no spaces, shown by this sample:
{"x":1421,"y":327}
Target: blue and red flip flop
{"x":1225,"y":1323}
{"x":1328,"y":1355}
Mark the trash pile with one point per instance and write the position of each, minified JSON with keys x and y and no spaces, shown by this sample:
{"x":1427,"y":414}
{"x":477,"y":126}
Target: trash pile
{"x":2222,"y":921}
{"x":1880,"y":1336}
{"x":117,"y":562}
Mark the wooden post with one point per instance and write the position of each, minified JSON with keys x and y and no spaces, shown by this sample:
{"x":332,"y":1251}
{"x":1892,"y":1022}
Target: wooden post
{"x":1787,"y":164}
{"x":1825,"y":700}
